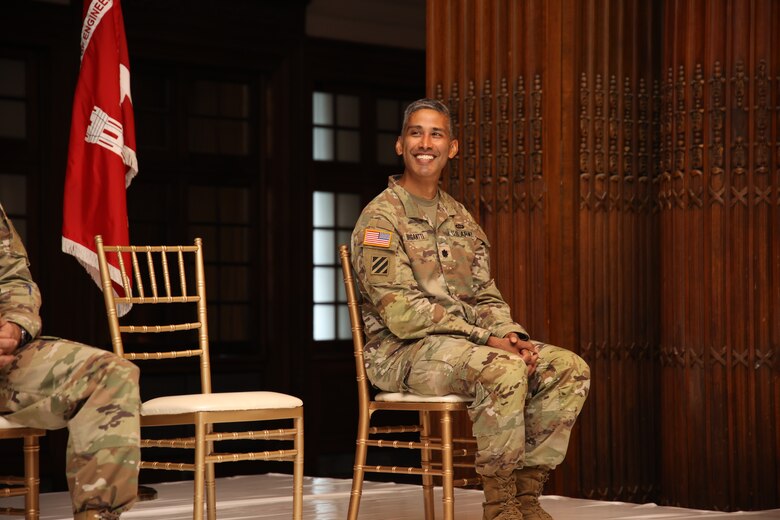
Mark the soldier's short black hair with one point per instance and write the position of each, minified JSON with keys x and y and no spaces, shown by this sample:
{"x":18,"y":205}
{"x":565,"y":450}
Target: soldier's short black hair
{"x":432,"y":104}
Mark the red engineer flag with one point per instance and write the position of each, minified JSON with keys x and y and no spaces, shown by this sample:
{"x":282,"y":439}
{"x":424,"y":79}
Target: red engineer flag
{"x":101,"y":155}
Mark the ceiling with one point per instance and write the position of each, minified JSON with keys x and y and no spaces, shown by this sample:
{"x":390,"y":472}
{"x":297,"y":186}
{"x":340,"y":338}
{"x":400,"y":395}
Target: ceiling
{"x":395,"y":23}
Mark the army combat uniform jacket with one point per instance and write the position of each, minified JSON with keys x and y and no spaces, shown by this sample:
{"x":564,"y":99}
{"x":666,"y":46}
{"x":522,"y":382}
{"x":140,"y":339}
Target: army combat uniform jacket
{"x":429,"y":307}
{"x":426,"y":278}
{"x":53,"y":383}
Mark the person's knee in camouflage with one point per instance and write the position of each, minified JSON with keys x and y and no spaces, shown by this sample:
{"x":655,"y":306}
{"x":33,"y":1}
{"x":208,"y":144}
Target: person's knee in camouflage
{"x":56,"y":383}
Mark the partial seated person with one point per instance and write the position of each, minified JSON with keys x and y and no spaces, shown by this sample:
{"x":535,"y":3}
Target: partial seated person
{"x":52,"y":383}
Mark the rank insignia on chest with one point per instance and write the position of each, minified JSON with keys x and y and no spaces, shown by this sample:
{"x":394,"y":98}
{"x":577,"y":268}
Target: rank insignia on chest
{"x":377,"y":237}
{"x":380,"y":265}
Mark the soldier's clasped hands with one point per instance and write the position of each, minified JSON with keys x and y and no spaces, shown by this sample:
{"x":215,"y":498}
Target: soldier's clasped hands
{"x":9,"y":340}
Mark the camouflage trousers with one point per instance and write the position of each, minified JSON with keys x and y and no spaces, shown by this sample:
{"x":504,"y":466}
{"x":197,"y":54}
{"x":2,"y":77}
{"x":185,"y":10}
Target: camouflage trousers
{"x":517,"y":420}
{"x":54,"y":383}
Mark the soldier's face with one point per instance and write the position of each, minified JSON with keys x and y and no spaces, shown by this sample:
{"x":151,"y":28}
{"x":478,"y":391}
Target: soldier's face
{"x":426,"y":144}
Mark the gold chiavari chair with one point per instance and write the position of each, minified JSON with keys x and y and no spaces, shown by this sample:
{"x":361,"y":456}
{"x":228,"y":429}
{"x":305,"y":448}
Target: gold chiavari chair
{"x":26,"y":486}
{"x":446,"y":406}
{"x":172,"y":265}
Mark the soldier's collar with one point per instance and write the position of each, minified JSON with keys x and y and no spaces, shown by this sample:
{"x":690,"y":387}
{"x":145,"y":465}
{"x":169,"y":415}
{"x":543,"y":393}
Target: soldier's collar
{"x":411,"y":208}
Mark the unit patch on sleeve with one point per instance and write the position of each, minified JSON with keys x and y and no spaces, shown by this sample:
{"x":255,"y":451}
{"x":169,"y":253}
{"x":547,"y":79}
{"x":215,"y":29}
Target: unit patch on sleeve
{"x":379,"y":265}
{"x":377,"y":237}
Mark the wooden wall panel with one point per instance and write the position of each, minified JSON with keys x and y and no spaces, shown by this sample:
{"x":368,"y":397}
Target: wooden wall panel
{"x":617,"y":295}
{"x":719,"y":216}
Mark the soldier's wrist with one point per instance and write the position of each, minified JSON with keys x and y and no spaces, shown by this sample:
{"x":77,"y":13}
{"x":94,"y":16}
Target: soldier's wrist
{"x":24,"y":336}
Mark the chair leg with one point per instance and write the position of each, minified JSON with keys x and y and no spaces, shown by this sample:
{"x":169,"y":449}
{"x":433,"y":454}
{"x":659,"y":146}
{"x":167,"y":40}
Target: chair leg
{"x":359,"y":468}
{"x":448,"y":498}
{"x":211,"y":487}
{"x":298,"y":470}
{"x":31,"y":477}
{"x":200,"y":468}
{"x":425,"y":463}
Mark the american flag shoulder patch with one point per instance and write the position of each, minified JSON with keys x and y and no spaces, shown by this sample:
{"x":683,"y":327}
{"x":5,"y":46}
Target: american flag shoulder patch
{"x":377,"y":237}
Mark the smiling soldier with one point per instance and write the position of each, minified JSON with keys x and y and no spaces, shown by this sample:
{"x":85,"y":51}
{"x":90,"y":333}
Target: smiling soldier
{"x":436,"y":323}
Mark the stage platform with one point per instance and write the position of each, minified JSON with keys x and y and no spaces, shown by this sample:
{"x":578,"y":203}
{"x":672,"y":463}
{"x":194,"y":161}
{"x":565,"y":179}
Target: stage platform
{"x":269,"y":497}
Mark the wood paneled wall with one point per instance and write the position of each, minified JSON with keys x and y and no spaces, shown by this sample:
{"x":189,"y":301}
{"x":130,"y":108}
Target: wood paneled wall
{"x":719,"y":215}
{"x":616,"y":236}
{"x":622,"y":157}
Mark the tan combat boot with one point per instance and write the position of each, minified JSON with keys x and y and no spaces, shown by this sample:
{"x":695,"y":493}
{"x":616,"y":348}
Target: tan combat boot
{"x":529,"y":483}
{"x":94,"y":514}
{"x":500,"y":502}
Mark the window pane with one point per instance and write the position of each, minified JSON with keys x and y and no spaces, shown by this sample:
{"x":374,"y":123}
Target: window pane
{"x":341,"y":293}
{"x":234,"y":205}
{"x":323,"y":209}
{"x":324,"y":322}
{"x":234,"y":283}
{"x":324,"y":284}
{"x":348,"y":111}
{"x":385,"y":149}
{"x":234,"y":244}
{"x":12,"y":80}
{"x":348,"y":209}
{"x":322,"y":108}
{"x":13,"y":194}
{"x":234,"y":100}
{"x":233,"y":137}
{"x":343,"y":237}
{"x":12,"y":119}
{"x":348,"y":146}
{"x":345,"y":327}
{"x":202,"y":135}
{"x":323,"y":250}
{"x":323,"y":144}
{"x":204,"y":98}
{"x":388,"y":115}
{"x":202,"y":205}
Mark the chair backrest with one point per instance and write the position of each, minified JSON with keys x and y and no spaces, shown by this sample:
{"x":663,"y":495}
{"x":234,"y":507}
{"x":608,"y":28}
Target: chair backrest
{"x":164,"y":275}
{"x":356,"y":321}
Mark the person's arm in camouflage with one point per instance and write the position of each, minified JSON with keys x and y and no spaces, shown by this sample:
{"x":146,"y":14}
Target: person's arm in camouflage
{"x":20,"y":299}
{"x":386,"y":275}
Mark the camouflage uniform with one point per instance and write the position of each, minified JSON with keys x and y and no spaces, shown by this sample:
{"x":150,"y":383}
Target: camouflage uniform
{"x":52,"y":383}
{"x":429,"y":307}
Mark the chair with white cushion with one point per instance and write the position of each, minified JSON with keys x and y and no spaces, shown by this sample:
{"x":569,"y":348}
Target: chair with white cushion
{"x":26,"y":486}
{"x":445,"y":406}
{"x":161,"y":277}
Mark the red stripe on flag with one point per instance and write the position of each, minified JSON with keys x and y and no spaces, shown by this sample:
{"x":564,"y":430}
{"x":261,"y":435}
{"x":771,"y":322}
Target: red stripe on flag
{"x":101,"y":154}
